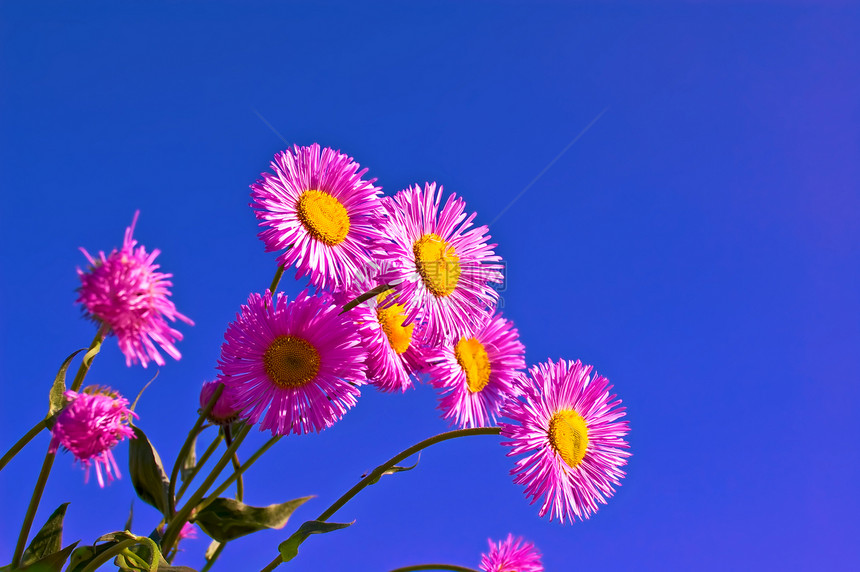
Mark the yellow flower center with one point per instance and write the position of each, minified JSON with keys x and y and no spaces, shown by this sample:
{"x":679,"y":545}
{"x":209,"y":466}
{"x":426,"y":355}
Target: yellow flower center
{"x":568,"y":435}
{"x":391,"y":321}
{"x":472,"y":357}
{"x":324,"y":216}
{"x":291,"y":362}
{"x":438,"y":264}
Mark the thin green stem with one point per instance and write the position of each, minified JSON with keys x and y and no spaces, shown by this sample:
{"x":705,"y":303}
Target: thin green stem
{"x":276,"y":280}
{"x":415,"y":567}
{"x":89,"y":356}
{"x":183,"y":452}
{"x":42,"y":480}
{"x":366,"y":296}
{"x":31,"y":509}
{"x":181,"y":517}
{"x":109,"y":553}
{"x":238,"y":472}
{"x":377,"y":473}
{"x":37,"y":428}
{"x":210,"y":561}
{"x":200,"y":462}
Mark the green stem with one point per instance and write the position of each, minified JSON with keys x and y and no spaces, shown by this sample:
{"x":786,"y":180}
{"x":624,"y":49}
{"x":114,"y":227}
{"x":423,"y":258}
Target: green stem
{"x":42,"y":480}
{"x":132,"y":556}
{"x":108,"y":554}
{"x":183,"y":452}
{"x":366,"y":296}
{"x":238,"y":472}
{"x":89,"y":356}
{"x":377,"y":473}
{"x":210,"y":561}
{"x":31,"y":509}
{"x":276,"y":280}
{"x":181,"y":517}
{"x":453,"y":567}
{"x":200,"y":462}
{"x":37,"y":428}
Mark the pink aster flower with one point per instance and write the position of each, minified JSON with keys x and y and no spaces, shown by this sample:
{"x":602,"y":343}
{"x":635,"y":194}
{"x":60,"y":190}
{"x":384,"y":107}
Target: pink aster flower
{"x":125,"y":291}
{"x":511,"y":555}
{"x":440,"y":270}
{"x":299,"y":362}
{"x":478,"y":373}
{"x":318,"y":210}
{"x":394,"y":354}
{"x":224,"y":411}
{"x":89,"y":426}
{"x":567,"y":426}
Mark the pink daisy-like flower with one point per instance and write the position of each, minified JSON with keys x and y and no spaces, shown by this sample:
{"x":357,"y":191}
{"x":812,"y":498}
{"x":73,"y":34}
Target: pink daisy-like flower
{"x":511,"y":555}
{"x":299,"y":362}
{"x":89,"y":426}
{"x":394,"y":355}
{"x":224,"y":411}
{"x":319,"y":211}
{"x":478,"y":373}
{"x":567,"y":426}
{"x":125,"y":291}
{"x":440,"y":270}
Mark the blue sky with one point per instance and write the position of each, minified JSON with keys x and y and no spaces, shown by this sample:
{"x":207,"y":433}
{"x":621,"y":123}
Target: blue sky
{"x":698,"y":245}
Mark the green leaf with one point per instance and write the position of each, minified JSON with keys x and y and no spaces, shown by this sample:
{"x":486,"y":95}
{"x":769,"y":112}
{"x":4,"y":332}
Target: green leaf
{"x":49,"y":539}
{"x":56,"y":401}
{"x":53,"y":562}
{"x":290,"y":547}
{"x":190,"y":460}
{"x":130,"y":516}
{"x":395,"y":469}
{"x":225,"y":519}
{"x":83,"y":555}
{"x":147,"y":473}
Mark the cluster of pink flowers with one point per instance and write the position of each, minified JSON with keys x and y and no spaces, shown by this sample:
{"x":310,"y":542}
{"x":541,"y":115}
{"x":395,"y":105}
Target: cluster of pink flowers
{"x":401,"y":291}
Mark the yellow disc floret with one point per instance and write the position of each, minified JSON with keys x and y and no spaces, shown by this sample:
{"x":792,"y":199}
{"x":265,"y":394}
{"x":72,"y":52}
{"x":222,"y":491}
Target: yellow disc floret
{"x":472,"y":357}
{"x":568,"y":435}
{"x":438,"y":264}
{"x":291,"y":362}
{"x":391,"y":320}
{"x":324,"y":217}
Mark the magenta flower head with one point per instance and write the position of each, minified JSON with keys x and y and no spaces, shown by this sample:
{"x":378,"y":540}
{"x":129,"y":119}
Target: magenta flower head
{"x":440,"y":270}
{"x":89,"y":426}
{"x":478,"y":373}
{"x":511,"y":555}
{"x":394,"y":355}
{"x":318,"y":210}
{"x":567,"y":427}
{"x":125,"y":291}
{"x":224,"y":411}
{"x":300,"y":363}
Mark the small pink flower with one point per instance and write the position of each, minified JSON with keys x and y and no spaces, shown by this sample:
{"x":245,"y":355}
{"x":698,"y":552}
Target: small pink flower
{"x":188,"y":531}
{"x":511,"y":555}
{"x":89,"y":426}
{"x":567,"y":426}
{"x":125,"y":291}
{"x":224,"y":411}
{"x":297,"y":365}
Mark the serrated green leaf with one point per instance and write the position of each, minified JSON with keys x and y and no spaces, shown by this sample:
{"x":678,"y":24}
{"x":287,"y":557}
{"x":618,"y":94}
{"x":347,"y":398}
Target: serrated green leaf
{"x":49,"y":539}
{"x":225,"y":519}
{"x":290,"y":547}
{"x":53,"y":562}
{"x":395,"y":469}
{"x":56,"y":401}
{"x":147,"y":473}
